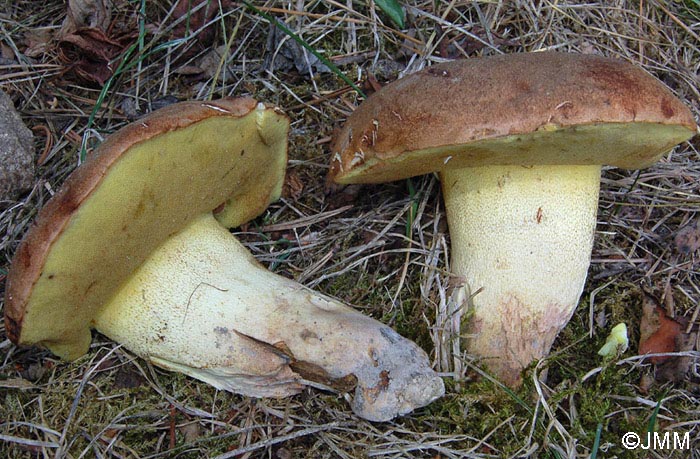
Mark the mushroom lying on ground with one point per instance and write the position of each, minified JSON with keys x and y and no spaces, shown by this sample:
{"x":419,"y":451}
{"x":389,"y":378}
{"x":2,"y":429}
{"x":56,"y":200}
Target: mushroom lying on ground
{"x":518,"y":141}
{"x":130,"y":246}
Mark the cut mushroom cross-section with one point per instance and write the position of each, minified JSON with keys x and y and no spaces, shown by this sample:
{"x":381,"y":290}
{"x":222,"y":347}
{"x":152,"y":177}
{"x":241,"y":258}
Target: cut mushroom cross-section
{"x":518,"y":141}
{"x":136,"y":245}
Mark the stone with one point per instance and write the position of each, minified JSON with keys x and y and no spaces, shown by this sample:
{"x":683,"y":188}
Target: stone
{"x":16,"y":152}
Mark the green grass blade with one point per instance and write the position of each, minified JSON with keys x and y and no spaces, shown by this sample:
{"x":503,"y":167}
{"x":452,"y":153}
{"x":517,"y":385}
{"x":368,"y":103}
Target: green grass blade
{"x":651,"y":427}
{"x":596,"y":441}
{"x":103,"y":94}
{"x":393,"y":9}
{"x":413,"y":210}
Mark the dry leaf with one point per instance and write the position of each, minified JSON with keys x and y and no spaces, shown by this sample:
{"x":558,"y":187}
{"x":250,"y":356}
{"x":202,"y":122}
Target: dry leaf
{"x":128,"y":378}
{"x":89,"y":43}
{"x":341,"y":195}
{"x":7,"y":54}
{"x":676,"y":369}
{"x":90,"y":54}
{"x":195,"y":21}
{"x":284,"y":54}
{"x":93,"y":14}
{"x":688,"y":238}
{"x":37,"y":41}
{"x":293,"y":186}
{"x":191,"y":432}
{"x":16,"y":383}
{"x":660,"y":334}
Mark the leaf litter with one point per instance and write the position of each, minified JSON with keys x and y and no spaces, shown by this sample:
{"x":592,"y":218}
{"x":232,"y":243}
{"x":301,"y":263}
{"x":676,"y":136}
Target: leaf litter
{"x":119,"y":406}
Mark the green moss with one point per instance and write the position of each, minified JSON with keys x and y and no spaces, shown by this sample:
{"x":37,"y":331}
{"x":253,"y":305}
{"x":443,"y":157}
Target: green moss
{"x":481,"y":407}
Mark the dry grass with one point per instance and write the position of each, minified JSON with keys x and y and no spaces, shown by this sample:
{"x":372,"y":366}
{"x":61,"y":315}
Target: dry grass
{"x":385,"y":248}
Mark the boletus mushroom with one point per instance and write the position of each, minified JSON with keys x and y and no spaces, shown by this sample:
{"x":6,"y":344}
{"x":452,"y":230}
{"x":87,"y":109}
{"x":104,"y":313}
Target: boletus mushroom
{"x":518,"y":142}
{"x":136,"y":244}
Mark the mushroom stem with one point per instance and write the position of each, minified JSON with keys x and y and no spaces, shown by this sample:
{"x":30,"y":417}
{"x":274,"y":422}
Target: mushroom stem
{"x":202,"y":305}
{"x":521,"y":240}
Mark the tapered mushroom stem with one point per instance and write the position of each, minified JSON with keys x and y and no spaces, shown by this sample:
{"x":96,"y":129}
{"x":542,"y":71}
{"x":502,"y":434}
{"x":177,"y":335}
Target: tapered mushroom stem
{"x":521,"y":239}
{"x":202,"y":305}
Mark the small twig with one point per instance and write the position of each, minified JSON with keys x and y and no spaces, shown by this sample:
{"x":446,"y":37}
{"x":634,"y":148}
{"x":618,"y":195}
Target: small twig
{"x":281,"y":439}
{"x":305,"y":221}
{"x":678,"y":21}
{"x":269,"y":9}
{"x":48,"y":143}
{"x":171,"y":430}
{"x":318,"y":100}
{"x":62,"y":451}
{"x":591,"y":304}
{"x":28,"y":442}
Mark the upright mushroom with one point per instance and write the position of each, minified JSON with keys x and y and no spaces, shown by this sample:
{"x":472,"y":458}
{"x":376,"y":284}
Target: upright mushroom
{"x":518,"y":141}
{"x":130,"y":246}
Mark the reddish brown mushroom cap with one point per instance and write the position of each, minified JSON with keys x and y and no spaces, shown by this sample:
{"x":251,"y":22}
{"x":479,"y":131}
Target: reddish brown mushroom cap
{"x":453,"y":114}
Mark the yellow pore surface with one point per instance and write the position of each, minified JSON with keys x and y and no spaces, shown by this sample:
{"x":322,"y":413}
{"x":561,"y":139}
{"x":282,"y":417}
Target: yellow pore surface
{"x":153,"y":191}
{"x":625,"y":145}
